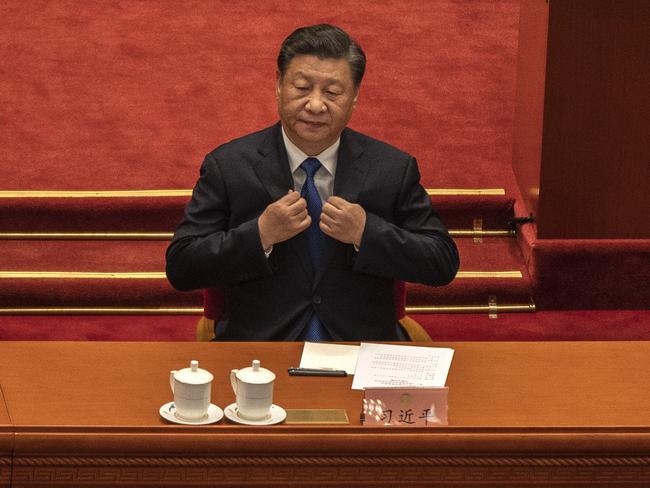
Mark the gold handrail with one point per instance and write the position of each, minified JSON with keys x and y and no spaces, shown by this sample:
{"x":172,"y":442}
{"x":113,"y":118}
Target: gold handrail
{"x":155,"y":275}
{"x":422,"y":309}
{"x":101,"y":311}
{"x":88,"y":236}
{"x":94,"y":193}
{"x":165,"y":236}
{"x":81,"y":275}
{"x":188,"y":192}
{"x":465,"y":191}
{"x":425,"y":309}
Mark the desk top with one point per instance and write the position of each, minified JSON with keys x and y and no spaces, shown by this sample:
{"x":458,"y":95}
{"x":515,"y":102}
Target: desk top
{"x":6,"y":430}
{"x":496,"y":390}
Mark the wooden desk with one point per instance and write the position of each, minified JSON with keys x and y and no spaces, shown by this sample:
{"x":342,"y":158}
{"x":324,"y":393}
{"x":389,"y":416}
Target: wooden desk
{"x":6,"y":443}
{"x":521,"y":414}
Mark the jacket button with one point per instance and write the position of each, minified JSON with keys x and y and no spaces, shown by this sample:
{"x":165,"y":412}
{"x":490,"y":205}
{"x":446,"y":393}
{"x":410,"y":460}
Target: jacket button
{"x":317,"y":299}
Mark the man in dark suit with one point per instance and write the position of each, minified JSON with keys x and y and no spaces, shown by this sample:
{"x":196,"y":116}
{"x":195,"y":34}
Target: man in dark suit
{"x":306,"y":224}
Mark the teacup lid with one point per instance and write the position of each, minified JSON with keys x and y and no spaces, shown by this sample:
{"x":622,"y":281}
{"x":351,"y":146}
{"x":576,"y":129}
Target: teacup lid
{"x":255,"y":374}
{"x":193,"y":375}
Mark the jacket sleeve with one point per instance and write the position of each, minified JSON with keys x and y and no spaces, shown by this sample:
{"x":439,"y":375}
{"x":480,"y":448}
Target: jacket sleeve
{"x":205,"y":250}
{"x":416,"y":246}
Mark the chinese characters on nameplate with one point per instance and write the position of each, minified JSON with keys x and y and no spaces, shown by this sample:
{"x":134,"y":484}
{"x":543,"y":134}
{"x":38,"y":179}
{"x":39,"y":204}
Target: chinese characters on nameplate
{"x":405,"y":407}
{"x":404,"y":385}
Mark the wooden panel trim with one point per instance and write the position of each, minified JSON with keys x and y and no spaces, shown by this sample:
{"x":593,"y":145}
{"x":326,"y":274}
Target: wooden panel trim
{"x":6,"y":442}
{"x":5,"y":471}
{"x":355,"y":470}
{"x":79,"y":461}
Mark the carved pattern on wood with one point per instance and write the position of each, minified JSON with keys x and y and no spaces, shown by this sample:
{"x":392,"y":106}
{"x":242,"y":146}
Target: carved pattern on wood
{"x":130,"y":471}
{"x":334,"y":461}
{"x":5,"y":471}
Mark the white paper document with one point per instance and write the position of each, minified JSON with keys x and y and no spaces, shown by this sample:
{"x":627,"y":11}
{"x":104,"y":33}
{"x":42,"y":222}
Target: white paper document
{"x":401,"y":366}
{"x":329,"y":356}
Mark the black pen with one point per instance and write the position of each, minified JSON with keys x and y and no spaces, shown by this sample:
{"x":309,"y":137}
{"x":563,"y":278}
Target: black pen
{"x":317,"y":372}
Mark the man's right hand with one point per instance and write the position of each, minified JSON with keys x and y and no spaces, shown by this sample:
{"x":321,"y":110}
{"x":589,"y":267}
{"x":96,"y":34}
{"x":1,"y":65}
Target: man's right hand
{"x":283,"y":219}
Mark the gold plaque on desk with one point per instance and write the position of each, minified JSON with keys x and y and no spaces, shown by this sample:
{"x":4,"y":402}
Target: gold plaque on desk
{"x":317,"y":416}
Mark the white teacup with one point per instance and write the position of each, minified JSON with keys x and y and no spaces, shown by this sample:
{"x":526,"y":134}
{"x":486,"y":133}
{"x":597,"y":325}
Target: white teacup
{"x":192,"y":389}
{"x":253,"y":389}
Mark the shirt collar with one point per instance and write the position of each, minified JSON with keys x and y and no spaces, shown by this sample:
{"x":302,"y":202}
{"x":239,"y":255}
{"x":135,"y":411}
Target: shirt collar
{"x":327,"y":158}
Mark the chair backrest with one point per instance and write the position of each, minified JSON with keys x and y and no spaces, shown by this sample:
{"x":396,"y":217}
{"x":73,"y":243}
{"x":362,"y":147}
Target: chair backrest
{"x":213,"y":309}
{"x":214,"y":301}
{"x":399,"y":289}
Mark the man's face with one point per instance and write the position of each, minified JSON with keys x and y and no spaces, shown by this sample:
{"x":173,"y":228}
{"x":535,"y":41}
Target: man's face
{"x":316,"y":98}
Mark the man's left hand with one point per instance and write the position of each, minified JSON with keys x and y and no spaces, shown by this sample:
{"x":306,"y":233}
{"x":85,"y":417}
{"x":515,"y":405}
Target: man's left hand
{"x":343,"y":221}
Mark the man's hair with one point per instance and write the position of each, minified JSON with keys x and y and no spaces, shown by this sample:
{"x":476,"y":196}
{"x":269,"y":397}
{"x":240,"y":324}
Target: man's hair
{"x":324,"y":41}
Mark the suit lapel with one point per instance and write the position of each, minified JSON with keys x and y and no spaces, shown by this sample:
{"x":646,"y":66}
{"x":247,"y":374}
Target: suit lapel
{"x":273,"y":171}
{"x":351,"y":171}
{"x":273,"y":167}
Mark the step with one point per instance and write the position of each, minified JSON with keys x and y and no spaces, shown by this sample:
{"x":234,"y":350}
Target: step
{"x":575,"y":325}
{"x":135,"y":211}
{"x":474,"y":211}
{"x":159,"y":211}
{"x":98,"y":328}
{"x":570,"y":325}
{"x":491,"y":270}
{"x":588,"y":273}
{"x":104,"y":274}
{"x":97,"y":274}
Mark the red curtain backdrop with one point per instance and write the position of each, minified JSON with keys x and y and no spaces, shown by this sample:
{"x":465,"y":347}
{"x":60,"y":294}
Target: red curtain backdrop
{"x":130,"y":95}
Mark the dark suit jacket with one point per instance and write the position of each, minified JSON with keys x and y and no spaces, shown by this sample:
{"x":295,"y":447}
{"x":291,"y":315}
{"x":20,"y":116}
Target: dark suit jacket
{"x":218,"y":244}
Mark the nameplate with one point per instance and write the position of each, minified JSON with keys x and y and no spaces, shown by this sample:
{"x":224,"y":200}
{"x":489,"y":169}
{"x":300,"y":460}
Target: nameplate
{"x":317,"y":416}
{"x":405,"y":407}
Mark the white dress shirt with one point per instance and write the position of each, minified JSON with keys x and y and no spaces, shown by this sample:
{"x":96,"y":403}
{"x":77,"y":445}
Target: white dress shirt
{"x":324,"y":177}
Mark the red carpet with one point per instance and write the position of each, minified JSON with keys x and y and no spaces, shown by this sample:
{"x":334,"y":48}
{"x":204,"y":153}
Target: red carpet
{"x":98,"y":328}
{"x":149,"y":213}
{"x":587,"y":273}
{"x":542,"y":326}
{"x":105,"y":274}
{"x":63,"y":273}
{"x":91,"y":214}
{"x":575,"y":325}
{"x":503,"y":277}
{"x":462,"y":212}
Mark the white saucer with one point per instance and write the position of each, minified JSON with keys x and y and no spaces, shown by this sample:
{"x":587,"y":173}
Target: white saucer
{"x":278,"y":414}
{"x":167,"y":411}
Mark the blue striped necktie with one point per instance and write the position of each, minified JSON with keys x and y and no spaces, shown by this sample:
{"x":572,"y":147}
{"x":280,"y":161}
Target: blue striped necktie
{"x":314,"y":331}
